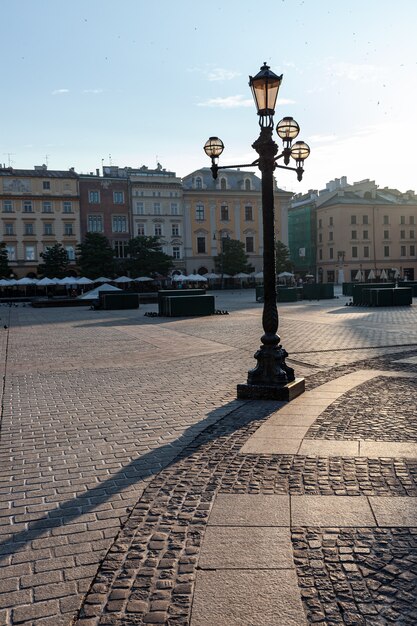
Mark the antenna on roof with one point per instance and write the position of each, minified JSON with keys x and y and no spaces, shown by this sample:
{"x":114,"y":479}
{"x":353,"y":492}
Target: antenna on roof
{"x":46,"y":160}
{"x":9,"y":155}
{"x":110,"y":159}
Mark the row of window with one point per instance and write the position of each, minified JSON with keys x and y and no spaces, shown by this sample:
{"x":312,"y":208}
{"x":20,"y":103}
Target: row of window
{"x":202,"y":244}
{"x":47,"y":206}
{"x":198,"y":183}
{"x":157,"y":230}
{"x":94,"y":197}
{"x":139,"y":208}
{"x":30,"y":252}
{"x":95,"y":224}
{"x":29,"y":229}
{"x":224,"y":213}
{"x":366,"y":252}
{"x":365,"y":220}
{"x":155,"y":194}
{"x":365,"y":235}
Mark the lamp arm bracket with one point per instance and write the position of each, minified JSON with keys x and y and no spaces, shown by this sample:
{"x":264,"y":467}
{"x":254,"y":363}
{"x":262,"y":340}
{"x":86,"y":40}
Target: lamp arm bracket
{"x":228,"y":167}
{"x":285,"y":167}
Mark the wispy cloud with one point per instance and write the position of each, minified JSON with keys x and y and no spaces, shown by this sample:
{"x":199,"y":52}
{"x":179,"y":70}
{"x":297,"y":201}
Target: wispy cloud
{"x":214,"y":73}
{"x":230,"y":102}
{"x":322,"y":138}
{"x":58,"y":92}
{"x":361,"y":72}
{"x":93,"y":90}
{"x":238,"y":101}
{"x":220,"y":73}
{"x":284,"y":101}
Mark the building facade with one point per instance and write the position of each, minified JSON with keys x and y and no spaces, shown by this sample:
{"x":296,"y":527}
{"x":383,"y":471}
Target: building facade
{"x":157,"y":208}
{"x":105,"y":208}
{"x":39,"y":208}
{"x":363,"y":231}
{"x":229,"y":207}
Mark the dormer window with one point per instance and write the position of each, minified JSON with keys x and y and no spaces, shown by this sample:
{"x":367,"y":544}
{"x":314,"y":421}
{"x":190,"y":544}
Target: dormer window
{"x":223,"y":183}
{"x":198,"y":183}
{"x":247,"y":184}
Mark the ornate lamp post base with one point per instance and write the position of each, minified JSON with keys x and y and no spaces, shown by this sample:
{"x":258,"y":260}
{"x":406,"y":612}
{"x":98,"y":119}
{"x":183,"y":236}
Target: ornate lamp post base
{"x":286,"y":393}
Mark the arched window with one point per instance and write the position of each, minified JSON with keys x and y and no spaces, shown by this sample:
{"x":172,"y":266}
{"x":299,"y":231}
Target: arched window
{"x":223,"y":183}
{"x":247,"y":184}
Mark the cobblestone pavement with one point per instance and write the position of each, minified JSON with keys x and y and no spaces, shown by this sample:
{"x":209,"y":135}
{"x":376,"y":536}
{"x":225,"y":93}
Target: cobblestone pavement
{"x":95,"y":408}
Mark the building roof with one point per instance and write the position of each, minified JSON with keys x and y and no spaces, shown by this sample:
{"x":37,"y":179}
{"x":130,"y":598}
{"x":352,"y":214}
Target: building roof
{"x":38,"y":172}
{"x":348,"y":197}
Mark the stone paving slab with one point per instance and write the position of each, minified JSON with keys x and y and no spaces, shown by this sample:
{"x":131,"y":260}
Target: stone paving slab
{"x":221,"y":599}
{"x":240,"y":547}
{"x":250,"y":510}
{"x":325,"y":511}
{"x":394,"y":512}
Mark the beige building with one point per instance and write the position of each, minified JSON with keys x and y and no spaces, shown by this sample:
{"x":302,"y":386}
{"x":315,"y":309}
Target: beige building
{"x":157,"y":208}
{"x":39,"y":208}
{"x":366,"y":230}
{"x":229,"y":207}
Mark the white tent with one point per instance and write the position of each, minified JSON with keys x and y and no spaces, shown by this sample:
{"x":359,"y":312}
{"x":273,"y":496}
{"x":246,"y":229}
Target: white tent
{"x":211,"y":276}
{"x":83,"y":281}
{"x":123,"y":279}
{"x":26,"y":281}
{"x":285,"y":275}
{"x":259,"y":275}
{"x":44,"y":282}
{"x":371,"y":275}
{"x":102,"y":279}
{"x":241,"y":275}
{"x":142,"y":279}
{"x":383,"y":275}
{"x":70,"y":280}
{"x":179,"y":277}
{"x":94,"y":293}
{"x":196,"y":278}
{"x":358,"y":275}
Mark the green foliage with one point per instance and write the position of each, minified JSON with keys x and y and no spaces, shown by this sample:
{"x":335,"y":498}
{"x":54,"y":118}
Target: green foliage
{"x":5,"y":270}
{"x":55,"y":262}
{"x":283,"y":262}
{"x":95,"y":256}
{"x":233,"y":259}
{"x":146,"y":257}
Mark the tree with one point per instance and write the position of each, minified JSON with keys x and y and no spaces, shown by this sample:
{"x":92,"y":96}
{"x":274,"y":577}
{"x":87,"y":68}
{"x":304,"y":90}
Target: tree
{"x":283,"y":262}
{"x":5,"y":270}
{"x":233,"y":258}
{"x":146,"y":257}
{"x":95,"y":256}
{"x":55,"y":262}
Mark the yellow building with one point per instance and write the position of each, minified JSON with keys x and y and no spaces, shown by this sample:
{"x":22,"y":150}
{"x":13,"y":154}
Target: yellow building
{"x":229,"y":207}
{"x":39,"y":208}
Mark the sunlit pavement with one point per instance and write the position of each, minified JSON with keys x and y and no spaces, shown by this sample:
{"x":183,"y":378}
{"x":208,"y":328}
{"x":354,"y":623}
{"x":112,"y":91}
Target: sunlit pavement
{"x":96,"y":404}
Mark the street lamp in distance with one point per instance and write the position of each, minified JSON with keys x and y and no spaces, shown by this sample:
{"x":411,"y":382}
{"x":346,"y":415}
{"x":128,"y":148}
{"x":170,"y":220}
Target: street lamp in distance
{"x":271,"y":378}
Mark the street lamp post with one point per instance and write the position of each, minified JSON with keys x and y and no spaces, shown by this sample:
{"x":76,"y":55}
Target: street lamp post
{"x":271,"y":378}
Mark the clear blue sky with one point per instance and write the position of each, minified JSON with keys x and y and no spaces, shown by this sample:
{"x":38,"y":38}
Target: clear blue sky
{"x":151,"y":81}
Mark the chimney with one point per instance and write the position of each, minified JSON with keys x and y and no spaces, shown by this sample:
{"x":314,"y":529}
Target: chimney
{"x":97,"y":172}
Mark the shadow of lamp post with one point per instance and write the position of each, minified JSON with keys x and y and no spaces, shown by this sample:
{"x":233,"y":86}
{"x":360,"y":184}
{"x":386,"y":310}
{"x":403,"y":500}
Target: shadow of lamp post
{"x":271,"y":378}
